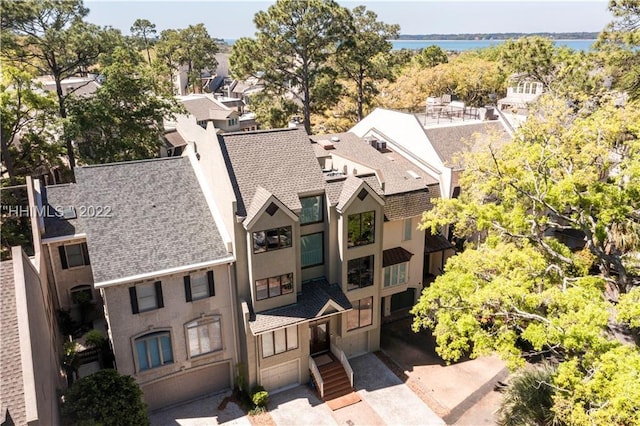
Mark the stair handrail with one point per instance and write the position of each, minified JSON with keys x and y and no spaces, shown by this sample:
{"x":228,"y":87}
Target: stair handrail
{"x":339,"y":353}
{"x":316,"y":375}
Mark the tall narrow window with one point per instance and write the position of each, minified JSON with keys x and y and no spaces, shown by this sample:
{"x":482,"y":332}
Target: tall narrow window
{"x":408,"y":228}
{"x":146,"y":297}
{"x":73,"y":255}
{"x":199,"y":286}
{"x":361,"y":228}
{"x":312,"y":249}
{"x":312,"y":210}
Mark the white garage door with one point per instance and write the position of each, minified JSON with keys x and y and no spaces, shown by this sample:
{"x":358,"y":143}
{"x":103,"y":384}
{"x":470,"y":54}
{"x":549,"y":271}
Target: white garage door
{"x":281,"y":376}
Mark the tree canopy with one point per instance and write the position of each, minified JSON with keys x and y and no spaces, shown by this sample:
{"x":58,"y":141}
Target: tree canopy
{"x":107,"y":398}
{"x":144,"y":31}
{"x":293,"y":43}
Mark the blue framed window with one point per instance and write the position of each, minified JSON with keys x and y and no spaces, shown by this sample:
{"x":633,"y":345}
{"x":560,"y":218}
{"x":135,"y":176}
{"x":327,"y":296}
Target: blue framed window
{"x":154,"y":350}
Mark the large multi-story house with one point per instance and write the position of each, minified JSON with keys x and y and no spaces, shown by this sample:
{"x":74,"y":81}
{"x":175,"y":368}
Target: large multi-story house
{"x":145,"y":239}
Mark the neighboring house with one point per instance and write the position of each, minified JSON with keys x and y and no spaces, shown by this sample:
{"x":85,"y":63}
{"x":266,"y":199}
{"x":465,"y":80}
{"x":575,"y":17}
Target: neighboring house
{"x":161,"y":263}
{"x":78,"y":86}
{"x":173,"y":144}
{"x":408,"y":263}
{"x":207,"y":109}
{"x":522,"y":91}
{"x":308,"y":254}
{"x":435,"y":148}
{"x":30,"y":343}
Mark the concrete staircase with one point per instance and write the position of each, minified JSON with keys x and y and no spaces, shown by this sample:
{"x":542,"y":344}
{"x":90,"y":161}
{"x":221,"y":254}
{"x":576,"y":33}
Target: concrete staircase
{"x":336,"y":381}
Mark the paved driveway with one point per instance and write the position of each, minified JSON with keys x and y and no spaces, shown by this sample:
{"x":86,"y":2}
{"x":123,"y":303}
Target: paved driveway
{"x":385,"y":401}
{"x":201,"y":412}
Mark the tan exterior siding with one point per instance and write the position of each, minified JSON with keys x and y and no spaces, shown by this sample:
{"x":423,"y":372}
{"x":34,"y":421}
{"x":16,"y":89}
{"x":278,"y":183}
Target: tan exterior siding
{"x":66,"y":279}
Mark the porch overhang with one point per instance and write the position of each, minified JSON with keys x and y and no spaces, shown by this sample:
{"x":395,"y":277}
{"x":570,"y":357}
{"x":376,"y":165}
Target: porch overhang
{"x":318,"y":300}
{"x":434,"y":243}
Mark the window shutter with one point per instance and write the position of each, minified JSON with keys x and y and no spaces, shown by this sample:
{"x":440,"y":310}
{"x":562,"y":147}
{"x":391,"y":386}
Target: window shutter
{"x":187,"y":288}
{"x":85,"y":254}
{"x":63,"y":257}
{"x":159,"y":298}
{"x":134,"y":300}
{"x":212,"y":288}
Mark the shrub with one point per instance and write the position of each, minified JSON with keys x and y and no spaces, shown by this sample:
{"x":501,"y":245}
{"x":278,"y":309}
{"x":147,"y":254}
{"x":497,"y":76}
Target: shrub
{"x":260,"y":399}
{"x":94,"y":338}
{"x":105,"y":398}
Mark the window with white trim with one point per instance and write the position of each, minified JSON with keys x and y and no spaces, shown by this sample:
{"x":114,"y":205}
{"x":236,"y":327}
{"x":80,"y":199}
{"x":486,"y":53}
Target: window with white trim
{"x":154,"y":350}
{"x":279,"y":341}
{"x":204,"y":335}
{"x":146,"y":297}
{"x":396,"y":274}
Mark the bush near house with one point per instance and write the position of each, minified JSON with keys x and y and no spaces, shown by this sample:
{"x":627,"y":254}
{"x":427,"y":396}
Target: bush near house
{"x":105,"y":398}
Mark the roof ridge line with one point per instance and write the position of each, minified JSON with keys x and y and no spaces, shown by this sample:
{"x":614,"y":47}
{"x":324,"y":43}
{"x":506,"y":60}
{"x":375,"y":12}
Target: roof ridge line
{"x":117,"y":163}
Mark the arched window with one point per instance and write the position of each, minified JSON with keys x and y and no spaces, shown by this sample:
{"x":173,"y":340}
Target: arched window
{"x":81,"y":294}
{"x":154,"y":350}
{"x":204,"y":335}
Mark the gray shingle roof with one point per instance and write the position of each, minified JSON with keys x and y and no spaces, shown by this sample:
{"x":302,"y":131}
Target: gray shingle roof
{"x":314,"y":297}
{"x":205,"y":108}
{"x":57,"y":197}
{"x":157,"y":218}
{"x":410,"y":204}
{"x":392,"y":167}
{"x":281,"y":161}
{"x":449,"y":141}
{"x":11,"y":381}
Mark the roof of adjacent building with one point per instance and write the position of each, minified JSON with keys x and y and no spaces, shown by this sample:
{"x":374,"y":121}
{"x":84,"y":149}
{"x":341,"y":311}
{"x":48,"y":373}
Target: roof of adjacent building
{"x":410,"y":204}
{"x":78,"y":86}
{"x":11,"y":380}
{"x":280,"y":160}
{"x":450,"y":141}
{"x":55,"y":199}
{"x":392,"y":167}
{"x":174,"y":138}
{"x":314,"y":297}
{"x":205,"y":107}
{"x":142,"y":217}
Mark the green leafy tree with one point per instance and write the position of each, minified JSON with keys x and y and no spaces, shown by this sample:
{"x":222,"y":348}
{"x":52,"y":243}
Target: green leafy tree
{"x":272,"y":112}
{"x":144,"y":32}
{"x":431,"y":56}
{"x":290,"y":53}
{"x":123,"y":121}
{"x":106,"y":398}
{"x":191,"y":47}
{"x":51,"y":37}
{"x":620,"y":41}
{"x":365,"y":59}
{"x":519,"y":290}
{"x":28,"y":126}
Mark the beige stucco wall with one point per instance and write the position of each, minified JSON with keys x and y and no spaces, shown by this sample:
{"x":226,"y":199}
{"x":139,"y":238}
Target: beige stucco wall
{"x":39,"y":341}
{"x":66,"y":279}
{"x":125,"y":326}
{"x":394,"y":237}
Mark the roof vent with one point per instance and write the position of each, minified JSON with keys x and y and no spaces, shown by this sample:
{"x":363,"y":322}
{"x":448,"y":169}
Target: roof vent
{"x":326,"y":144}
{"x":335,"y":139}
{"x":379,"y":145}
{"x":413,"y":174}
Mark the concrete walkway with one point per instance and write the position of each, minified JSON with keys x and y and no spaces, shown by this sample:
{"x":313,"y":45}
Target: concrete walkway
{"x":201,"y":412}
{"x":385,"y":393}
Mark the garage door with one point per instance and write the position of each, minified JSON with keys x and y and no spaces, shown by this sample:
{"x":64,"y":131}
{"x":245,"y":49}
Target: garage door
{"x":403,"y":300}
{"x":281,"y":376}
{"x":188,"y":385}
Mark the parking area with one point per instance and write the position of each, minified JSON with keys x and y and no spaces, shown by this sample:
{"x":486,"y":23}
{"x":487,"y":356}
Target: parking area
{"x":404,"y":384}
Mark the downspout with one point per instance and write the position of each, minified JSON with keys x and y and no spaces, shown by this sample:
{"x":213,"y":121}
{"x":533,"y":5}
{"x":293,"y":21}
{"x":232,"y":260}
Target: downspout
{"x":233,"y":314}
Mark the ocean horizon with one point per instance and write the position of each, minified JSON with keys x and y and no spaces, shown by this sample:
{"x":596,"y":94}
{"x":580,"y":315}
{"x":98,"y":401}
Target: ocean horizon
{"x":462,"y":45}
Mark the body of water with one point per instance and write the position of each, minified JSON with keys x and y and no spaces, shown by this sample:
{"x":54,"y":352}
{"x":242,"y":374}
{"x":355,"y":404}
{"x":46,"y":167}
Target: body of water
{"x":461,"y":45}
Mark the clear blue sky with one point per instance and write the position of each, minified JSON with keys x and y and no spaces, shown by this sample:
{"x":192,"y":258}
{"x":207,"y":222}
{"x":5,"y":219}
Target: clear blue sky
{"x":234,"y":19}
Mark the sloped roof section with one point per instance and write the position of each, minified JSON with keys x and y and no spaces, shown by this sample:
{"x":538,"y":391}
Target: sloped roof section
{"x":11,"y":380}
{"x":154,"y":217}
{"x":395,"y":255}
{"x":55,"y":199}
{"x":410,"y":204}
{"x":281,"y":161}
{"x":450,"y":141}
{"x":433,"y":243}
{"x":314,"y":297}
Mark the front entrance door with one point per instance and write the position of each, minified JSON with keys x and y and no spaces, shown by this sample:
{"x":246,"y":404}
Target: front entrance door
{"x":318,"y":337}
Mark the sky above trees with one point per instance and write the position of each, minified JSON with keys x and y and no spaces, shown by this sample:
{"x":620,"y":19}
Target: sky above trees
{"x":226,"y":19}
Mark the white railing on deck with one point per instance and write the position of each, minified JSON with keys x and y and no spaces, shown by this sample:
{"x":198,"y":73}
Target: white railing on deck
{"x":316,"y":375}
{"x":339,"y":353}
